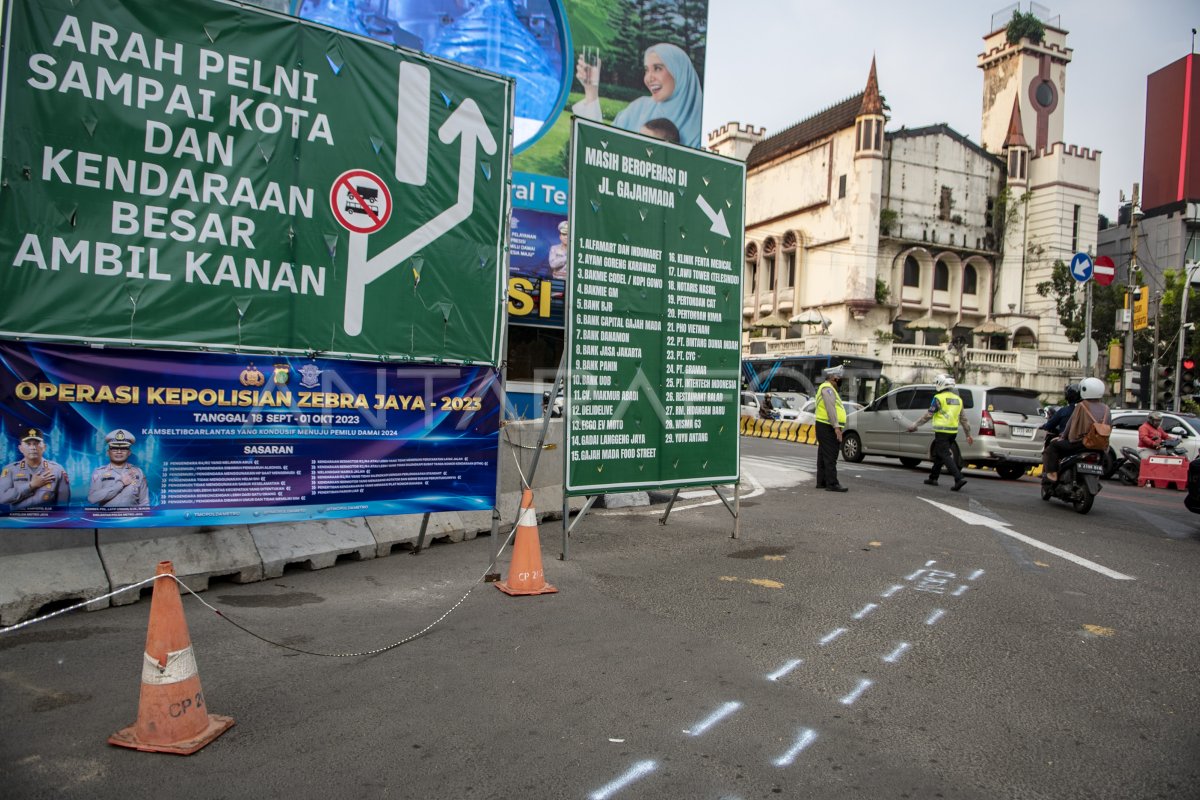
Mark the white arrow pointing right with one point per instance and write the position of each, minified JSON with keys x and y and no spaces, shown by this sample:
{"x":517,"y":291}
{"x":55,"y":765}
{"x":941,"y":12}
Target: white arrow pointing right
{"x":717,"y":218}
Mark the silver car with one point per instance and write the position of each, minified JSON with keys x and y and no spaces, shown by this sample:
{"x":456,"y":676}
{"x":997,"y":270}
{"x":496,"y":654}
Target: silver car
{"x":1004,"y":421}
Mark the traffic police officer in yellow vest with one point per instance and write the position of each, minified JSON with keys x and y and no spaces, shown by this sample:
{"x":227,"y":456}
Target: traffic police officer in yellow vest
{"x":831,"y":418}
{"x":946,"y":413}
{"x":118,"y":484}
{"x":34,"y":482}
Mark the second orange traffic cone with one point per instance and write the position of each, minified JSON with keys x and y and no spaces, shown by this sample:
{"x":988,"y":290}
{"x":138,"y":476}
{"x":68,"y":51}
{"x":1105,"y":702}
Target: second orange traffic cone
{"x":172,"y":713}
{"x":525,"y":573}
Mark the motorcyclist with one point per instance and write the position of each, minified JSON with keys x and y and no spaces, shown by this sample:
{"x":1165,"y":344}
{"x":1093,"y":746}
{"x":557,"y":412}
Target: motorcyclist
{"x":1151,"y":436}
{"x":1059,"y":419}
{"x":1089,"y":409}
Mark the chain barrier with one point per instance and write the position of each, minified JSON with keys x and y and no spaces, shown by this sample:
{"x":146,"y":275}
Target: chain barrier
{"x":243,"y":628}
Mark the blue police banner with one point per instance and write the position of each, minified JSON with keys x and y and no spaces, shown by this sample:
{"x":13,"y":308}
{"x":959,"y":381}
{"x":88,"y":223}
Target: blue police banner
{"x":538,"y":268}
{"x":103,"y":438}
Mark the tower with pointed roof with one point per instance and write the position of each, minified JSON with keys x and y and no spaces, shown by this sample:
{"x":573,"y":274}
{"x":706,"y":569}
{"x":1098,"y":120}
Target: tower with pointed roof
{"x":1053,"y":189}
{"x":868,"y":187}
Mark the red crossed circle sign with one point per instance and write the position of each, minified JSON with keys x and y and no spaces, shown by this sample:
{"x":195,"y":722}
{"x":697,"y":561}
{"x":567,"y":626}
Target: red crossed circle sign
{"x":361,"y":201}
{"x":1104,"y":271}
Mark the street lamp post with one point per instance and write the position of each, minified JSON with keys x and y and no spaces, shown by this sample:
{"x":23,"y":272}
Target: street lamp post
{"x":1133,"y":281}
{"x":1188,"y":271}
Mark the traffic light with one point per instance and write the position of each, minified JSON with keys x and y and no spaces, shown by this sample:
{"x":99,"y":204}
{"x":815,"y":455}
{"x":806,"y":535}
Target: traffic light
{"x":1139,"y":385}
{"x":1187,"y":377}
{"x":1166,"y":385}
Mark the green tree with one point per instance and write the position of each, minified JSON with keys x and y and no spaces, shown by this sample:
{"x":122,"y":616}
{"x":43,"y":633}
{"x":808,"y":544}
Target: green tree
{"x":1070,"y":303}
{"x":1024,"y":26}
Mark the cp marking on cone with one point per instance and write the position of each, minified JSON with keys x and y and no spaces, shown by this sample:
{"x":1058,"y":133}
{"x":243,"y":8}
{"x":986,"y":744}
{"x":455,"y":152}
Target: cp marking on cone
{"x":171,"y":710}
{"x":525,"y":573}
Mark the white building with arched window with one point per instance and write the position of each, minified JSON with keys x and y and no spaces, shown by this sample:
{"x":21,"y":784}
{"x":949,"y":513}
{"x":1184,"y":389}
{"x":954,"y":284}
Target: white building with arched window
{"x":920,"y":246}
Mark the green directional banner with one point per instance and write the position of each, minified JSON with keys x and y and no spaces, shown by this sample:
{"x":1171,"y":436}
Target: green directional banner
{"x":654,"y":309}
{"x":197,"y":173}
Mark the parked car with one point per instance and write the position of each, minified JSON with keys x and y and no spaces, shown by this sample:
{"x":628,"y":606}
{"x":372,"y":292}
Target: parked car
{"x":749,"y":404}
{"x":1004,"y":420}
{"x":1125,"y":431}
{"x":808,"y":412}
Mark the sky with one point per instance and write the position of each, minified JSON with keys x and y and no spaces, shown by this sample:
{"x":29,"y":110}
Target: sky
{"x":772,"y":63}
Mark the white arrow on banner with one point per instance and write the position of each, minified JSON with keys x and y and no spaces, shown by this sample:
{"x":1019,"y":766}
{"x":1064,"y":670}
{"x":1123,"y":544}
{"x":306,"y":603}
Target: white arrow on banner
{"x":717,"y":218}
{"x":467,"y":124}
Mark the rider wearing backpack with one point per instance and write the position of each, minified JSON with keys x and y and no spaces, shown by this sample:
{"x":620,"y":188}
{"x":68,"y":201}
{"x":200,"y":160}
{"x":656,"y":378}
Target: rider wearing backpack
{"x":1088,"y":429}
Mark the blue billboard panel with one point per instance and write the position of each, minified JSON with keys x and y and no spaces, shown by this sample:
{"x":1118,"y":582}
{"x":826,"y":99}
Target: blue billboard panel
{"x":96,"y":438}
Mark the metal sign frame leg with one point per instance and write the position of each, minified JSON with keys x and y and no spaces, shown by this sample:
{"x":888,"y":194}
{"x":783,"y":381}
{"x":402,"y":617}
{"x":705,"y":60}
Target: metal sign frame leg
{"x":734,"y":510}
{"x":569,"y":524}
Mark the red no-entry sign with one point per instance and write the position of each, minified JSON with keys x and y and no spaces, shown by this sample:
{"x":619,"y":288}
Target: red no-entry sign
{"x":1104,"y":271}
{"x":361,"y":201}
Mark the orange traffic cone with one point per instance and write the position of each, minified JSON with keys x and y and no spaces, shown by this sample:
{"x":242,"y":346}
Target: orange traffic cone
{"x":172,"y":715}
{"x":525,"y":573}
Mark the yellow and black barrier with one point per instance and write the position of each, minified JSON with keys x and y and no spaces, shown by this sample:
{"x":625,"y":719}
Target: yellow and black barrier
{"x":778,"y":429}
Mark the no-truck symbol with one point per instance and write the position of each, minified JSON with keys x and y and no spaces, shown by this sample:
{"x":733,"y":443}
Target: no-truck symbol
{"x":360,"y":200}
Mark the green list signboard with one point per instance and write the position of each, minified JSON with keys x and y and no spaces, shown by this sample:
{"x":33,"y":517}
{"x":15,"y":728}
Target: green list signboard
{"x":653,"y":314}
{"x":197,"y":173}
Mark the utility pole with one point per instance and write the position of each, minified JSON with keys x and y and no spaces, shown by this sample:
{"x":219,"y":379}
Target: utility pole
{"x":1154,"y":359}
{"x":1133,"y":281}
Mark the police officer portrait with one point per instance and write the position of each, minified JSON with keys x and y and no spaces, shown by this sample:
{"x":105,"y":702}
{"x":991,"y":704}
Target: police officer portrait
{"x":34,"y":482}
{"x":119,"y":484}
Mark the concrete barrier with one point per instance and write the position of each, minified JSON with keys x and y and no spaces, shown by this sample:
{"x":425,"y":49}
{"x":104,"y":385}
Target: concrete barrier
{"x":50,"y":566}
{"x":43,"y":566}
{"x":395,"y":532}
{"x":198,"y":554}
{"x":314,"y":544}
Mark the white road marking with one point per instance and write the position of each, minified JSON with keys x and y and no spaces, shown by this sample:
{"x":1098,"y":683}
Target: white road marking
{"x":914,"y":576}
{"x":849,"y":699}
{"x":960,"y":590}
{"x":891,"y":590}
{"x":867,"y":609}
{"x":639,"y":770}
{"x":894,"y":656}
{"x":833,"y":634}
{"x":972,"y":518}
{"x":657,"y":512}
{"x":807,"y":737}
{"x":930,"y":563}
{"x":712,"y":719}
{"x":935,"y":616}
{"x":785,"y":669}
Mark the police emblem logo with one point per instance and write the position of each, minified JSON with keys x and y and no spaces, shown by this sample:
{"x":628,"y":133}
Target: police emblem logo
{"x":310,"y":376}
{"x":282,"y":374}
{"x":252,"y":376}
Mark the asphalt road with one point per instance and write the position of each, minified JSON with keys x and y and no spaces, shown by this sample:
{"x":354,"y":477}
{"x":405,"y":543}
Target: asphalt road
{"x":895,"y":641}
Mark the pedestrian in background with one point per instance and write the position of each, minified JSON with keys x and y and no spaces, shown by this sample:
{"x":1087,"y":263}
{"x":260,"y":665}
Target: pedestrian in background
{"x":946,"y":413}
{"x":831,"y":418}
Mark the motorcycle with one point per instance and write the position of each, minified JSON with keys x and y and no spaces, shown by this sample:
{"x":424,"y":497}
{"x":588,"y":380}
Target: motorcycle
{"x":1078,"y":480}
{"x":1131,"y":460}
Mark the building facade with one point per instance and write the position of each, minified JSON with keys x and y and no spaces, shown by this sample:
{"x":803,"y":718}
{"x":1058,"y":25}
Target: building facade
{"x":919,"y":246}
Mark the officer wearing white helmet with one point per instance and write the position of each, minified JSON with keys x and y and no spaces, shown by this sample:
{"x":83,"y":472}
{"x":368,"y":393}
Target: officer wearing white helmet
{"x":119,"y":484}
{"x":831,"y":418}
{"x":1090,"y":410}
{"x":34,"y":481}
{"x":946,"y":413}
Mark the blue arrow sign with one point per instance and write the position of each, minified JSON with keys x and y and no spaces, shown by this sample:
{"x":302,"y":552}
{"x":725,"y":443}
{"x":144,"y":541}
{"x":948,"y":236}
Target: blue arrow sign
{"x":1081,"y":267}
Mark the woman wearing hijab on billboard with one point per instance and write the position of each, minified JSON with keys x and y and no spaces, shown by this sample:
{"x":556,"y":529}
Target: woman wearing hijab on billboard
{"x":675,"y":93}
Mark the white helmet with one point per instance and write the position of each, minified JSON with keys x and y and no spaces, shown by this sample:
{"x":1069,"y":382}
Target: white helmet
{"x":1091,"y":388}
{"x":943,"y":382}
